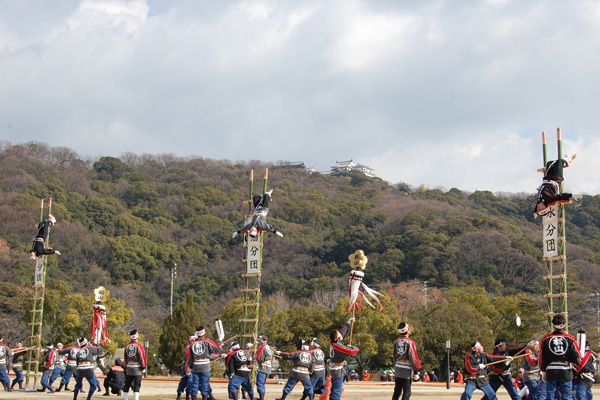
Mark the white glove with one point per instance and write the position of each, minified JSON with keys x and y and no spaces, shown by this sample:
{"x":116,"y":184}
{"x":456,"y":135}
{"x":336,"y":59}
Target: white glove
{"x":577,"y":197}
{"x":57,"y":252}
{"x":352,"y":319}
{"x":481,"y":366}
{"x":279,"y":233}
{"x":234,"y":235}
{"x":278,"y":352}
{"x":509,"y":358}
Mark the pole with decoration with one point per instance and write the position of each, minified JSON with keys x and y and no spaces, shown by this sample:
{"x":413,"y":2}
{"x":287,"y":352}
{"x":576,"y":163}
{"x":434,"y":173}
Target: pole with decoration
{"x":358,"y":262}
{"x":99,"y":328}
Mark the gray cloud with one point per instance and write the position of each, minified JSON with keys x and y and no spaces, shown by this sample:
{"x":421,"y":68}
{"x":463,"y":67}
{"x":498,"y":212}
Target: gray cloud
{"x":429,"y":92}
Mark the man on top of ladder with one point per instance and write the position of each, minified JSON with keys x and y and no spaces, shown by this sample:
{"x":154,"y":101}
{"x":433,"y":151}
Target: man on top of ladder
{"x":259,"y":219}
{"x":39,"y":240}
{"x":549,"y":191}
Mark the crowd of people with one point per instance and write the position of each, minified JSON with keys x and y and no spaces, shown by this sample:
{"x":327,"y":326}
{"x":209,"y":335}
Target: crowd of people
{"x":78,"y":361}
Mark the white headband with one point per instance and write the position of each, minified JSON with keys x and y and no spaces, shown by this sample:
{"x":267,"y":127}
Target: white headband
{"x":404,"y":330}
{"x":476,"y":346}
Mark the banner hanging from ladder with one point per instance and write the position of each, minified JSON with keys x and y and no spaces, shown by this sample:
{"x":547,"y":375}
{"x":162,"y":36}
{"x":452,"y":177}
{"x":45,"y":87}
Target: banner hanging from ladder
{"x":551,"y":228}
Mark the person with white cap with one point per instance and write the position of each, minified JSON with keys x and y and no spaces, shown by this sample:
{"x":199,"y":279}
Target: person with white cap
{"x":317,"y":376}
{"x":39,"y":240}
{"x":406,"y":362}
{"x":304,"y":362}
{"x":476,"y":372}
{"x":559,"y":354}
{"x":531,"y":369}
{"x":259,"y":219}
{"x":70,"y":366}
{"x":59,"y":364}
{"x":5,"y":356}
{"x":135,"y":365}
{"x":238,"y":371}
{"x":86,"y":363}
{"x":264,"y":356}
{"x":47,"y":368}
{"x":198,"y":364}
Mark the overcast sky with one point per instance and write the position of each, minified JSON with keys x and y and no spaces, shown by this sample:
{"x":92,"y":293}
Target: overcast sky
{"x":441,"y":93}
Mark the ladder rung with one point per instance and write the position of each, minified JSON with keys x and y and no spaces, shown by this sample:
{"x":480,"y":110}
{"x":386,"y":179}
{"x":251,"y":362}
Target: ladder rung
{"x":251,"y":304}
{"x":251,"y":290}
{"x":248,"y":320}
{"x":555,"y":295}
{"x":36,"y":311}
{"x":34,"y":323}
{"x":253,"y":275}
{"x":37,"y":286}
{"x":552,"y":314}
{"x":561,"y":220}
{"x":555,"y":258}
{"x":38,"y":298}
{"x":560,"y":276}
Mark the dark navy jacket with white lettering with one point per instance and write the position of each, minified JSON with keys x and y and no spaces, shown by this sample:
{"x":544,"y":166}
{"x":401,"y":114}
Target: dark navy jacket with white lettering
{"x":473,"y":374}
{"x":406,"y":359}
{"x":559,"y":350}
{"x":338,"y":353}
{"x":86,"y":359}
{"x":237,"y":363}
{"x":319,"y":368}
{"x":502,"y":372}
{"x":134,"y":359}
{"x":585,"y":371}
{"x":304,"y":362}
{"x":5,"y":355}
{"x":201,"y":351}
{"x":71,"y":353}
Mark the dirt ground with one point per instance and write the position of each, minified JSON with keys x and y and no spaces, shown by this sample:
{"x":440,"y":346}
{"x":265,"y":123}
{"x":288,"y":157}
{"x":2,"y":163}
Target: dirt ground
{"x":166,"y":389}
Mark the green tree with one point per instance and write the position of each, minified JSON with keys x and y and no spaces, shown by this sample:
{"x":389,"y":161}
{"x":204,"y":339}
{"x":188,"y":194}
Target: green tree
{"x":176,"y":332}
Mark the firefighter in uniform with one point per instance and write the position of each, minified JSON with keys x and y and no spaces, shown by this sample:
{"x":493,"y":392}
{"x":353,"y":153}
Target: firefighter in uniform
{"x":198,"y":364}
{"x":317,"y":377}
{"x":70,"y":367}
{"x":17,"y":365}
{"x":406,"y":362}
{"x":184,"y":376}
{"x":337,"y":354}
{"x":558,"y":355}
{"x":584,"y":376}
{"x":531,"y":369}
{"x":86,"y":360}
{"x":135,"y":365}
{"x":38,"y":249}
{"x":48,"y":368}
{"x":476,"y":372}
{"x":502,"y":373}
{"x":304,"y":363}
{"x":263,"y":360}
{"x":5,"y":357}
{"x":238,"y":371}
{"x":59,"y":364}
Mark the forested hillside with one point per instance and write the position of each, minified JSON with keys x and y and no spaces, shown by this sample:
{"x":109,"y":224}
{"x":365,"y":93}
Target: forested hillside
{"x":125,"y":222}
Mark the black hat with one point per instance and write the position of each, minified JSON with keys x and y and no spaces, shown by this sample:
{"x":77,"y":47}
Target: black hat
{"x":134,"y":334}
{"x":559,"y":321}
{"x":500,"y":342}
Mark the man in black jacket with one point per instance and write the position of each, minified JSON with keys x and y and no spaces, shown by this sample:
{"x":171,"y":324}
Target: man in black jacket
{"x":558,"y":356}
{"x":115,"y":379}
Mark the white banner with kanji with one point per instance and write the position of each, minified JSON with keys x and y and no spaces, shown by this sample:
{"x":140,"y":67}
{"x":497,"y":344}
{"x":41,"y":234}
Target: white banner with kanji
{"x":551,"y":230}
